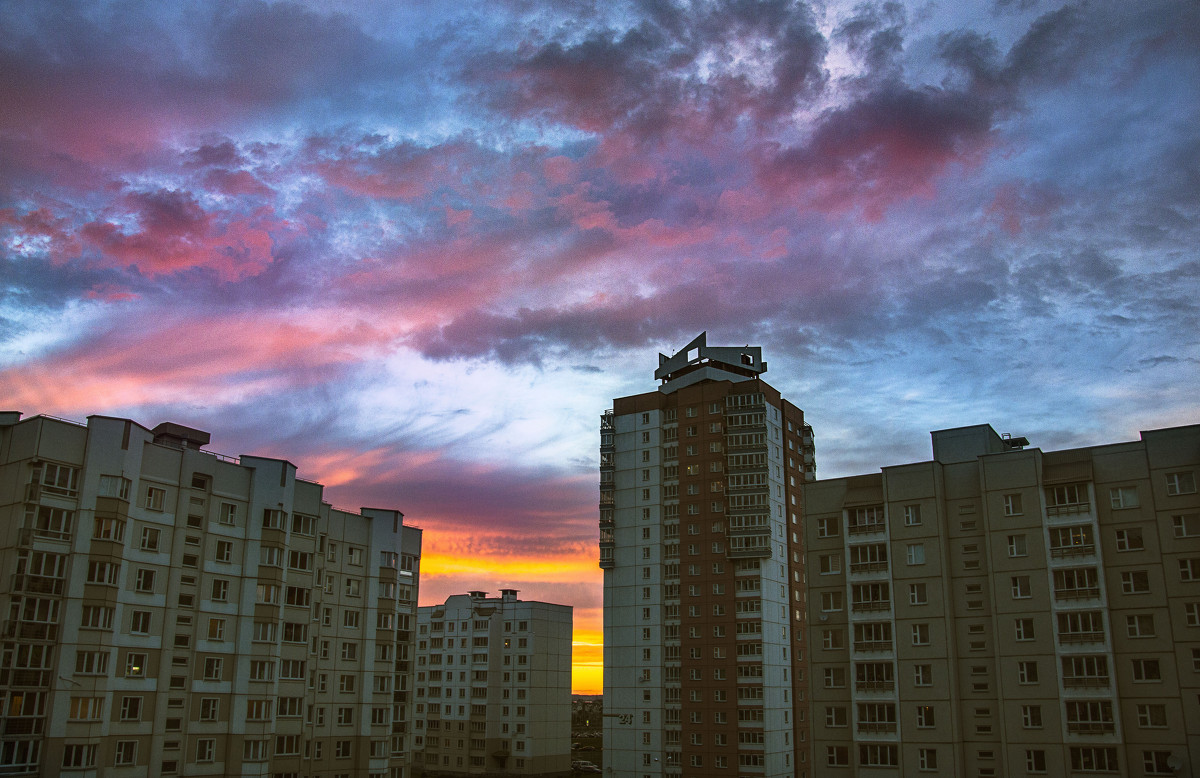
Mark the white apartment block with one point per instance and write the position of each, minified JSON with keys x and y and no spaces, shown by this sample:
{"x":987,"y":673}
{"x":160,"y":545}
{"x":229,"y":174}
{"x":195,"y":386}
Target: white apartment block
{"x":493,"y":687}
{"x":170,"y":611}
{"x":703,"y":557}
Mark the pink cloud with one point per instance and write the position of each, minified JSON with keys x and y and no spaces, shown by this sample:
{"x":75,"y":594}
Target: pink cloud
{"x":174,"y":233}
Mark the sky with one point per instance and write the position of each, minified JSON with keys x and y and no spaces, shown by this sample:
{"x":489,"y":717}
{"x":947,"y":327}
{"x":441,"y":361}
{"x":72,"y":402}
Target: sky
{"x":417,"y":248}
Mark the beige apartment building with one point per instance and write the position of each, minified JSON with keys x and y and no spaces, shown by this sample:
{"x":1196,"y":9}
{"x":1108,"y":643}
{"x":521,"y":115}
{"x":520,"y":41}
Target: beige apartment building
{"x":493,"y":688}
{"x":1007,"y":611}
{"x":703,"y":554}
{"x":170,"y":611}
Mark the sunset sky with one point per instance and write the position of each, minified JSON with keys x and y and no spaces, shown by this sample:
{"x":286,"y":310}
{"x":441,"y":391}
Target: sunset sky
{"x":417,"y":247}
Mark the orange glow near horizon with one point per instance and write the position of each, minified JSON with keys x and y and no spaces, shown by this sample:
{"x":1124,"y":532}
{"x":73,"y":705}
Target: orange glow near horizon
{"x":444,"y":574}
{"x":587,"y":661}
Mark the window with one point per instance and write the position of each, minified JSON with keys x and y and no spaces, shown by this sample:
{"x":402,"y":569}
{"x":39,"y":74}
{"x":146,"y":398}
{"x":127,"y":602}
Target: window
{"x":1181,"y":483}
{"x":830,"y":563}
{"x":350,"y":619}
{"x":1021,"y":587}
{"x":1012,"y":505}
{"x":1031,"y":716}
{"x":828,"y":528}
{"x":135,"y":665}
{"x":878,"y":755}
{"x":927,"y":758}
{"x":835,"y":677}
{"x":150,"y":537}
{"x":91,"y":662}
{"x":1027,"y":672}
{"x":126,"y":753}
{"x":107,"y":573}
{"x":139,"y":623}
{"x":79,"y":755}
{"x":1024,"y":629}
{"x":1146,"y":671}
{"x":1130,"y":539}
{"x":254,"y":750}
{"x":923,"y":675}
{"x":82,"y":708}
{"x":918,"y":594}
{"x":267,"y":594}
{"x":837,"y":756}
{"x":1123,"y":497}
{"x":109,"y":529}
{"x":1189,"y":569}
{"x":835,"y":716}
{"x":154,"y":498}
{"x":212,"y":668}
{"x":1152,"y":716}
{"x":263,"y":670}
{"x":1094,"y":759}
{"x":1140,"y":625}
{"x":925,"y":716}
{"x":1135,"y":582}
{"x":1017,"y":546}
{"x":224,"y":551}
{"x":831,"y":601}
{"x":916,"y":553}
{"x":210,"y":708}
{"x":144,"y":581}
{"x":1035,"y":760}
{"x":833,"y":639}
{"x":1158,"y":763}
{"x":1191,"y":612}
{"x":920,"y":634}
{"x":216,"y":629}
{"x":1186,"y":525}
{"x":258,"y":710}
{"x":220,"y":590}
{"x":131,"y":708}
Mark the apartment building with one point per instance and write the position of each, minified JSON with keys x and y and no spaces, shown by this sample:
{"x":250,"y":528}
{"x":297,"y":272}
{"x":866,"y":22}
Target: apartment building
{"x":1006,"y":611}
{"x":703,"y":555}
{"x":167,"y":610}
{"x":493,"y":688}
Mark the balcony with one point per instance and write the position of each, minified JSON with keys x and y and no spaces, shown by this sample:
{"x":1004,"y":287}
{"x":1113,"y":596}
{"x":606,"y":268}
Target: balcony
{"x":1064,"y":552}
{"x":876,"y":727}
{"x":1077,"y":593}
{"x":1085,"y":681}
{"x":23,"y":725}
{"x":1069,"y":510}
{"x":874,"y":686}
{"x":867,"y":528}
{"x":871,"y":606}
{"x":872,"y":646}
{"x":37,"y":584}
{"x":1091,"y":727}
{"x":1081,"y":637}
{"x":868,"y":567}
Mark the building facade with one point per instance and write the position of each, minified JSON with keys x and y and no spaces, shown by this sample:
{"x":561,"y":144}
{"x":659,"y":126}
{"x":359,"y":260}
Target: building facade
{"x":167,"y":610}
{"x":493,"y":687}
{"x":1005,"y":611}
{"x":704,"y":563}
